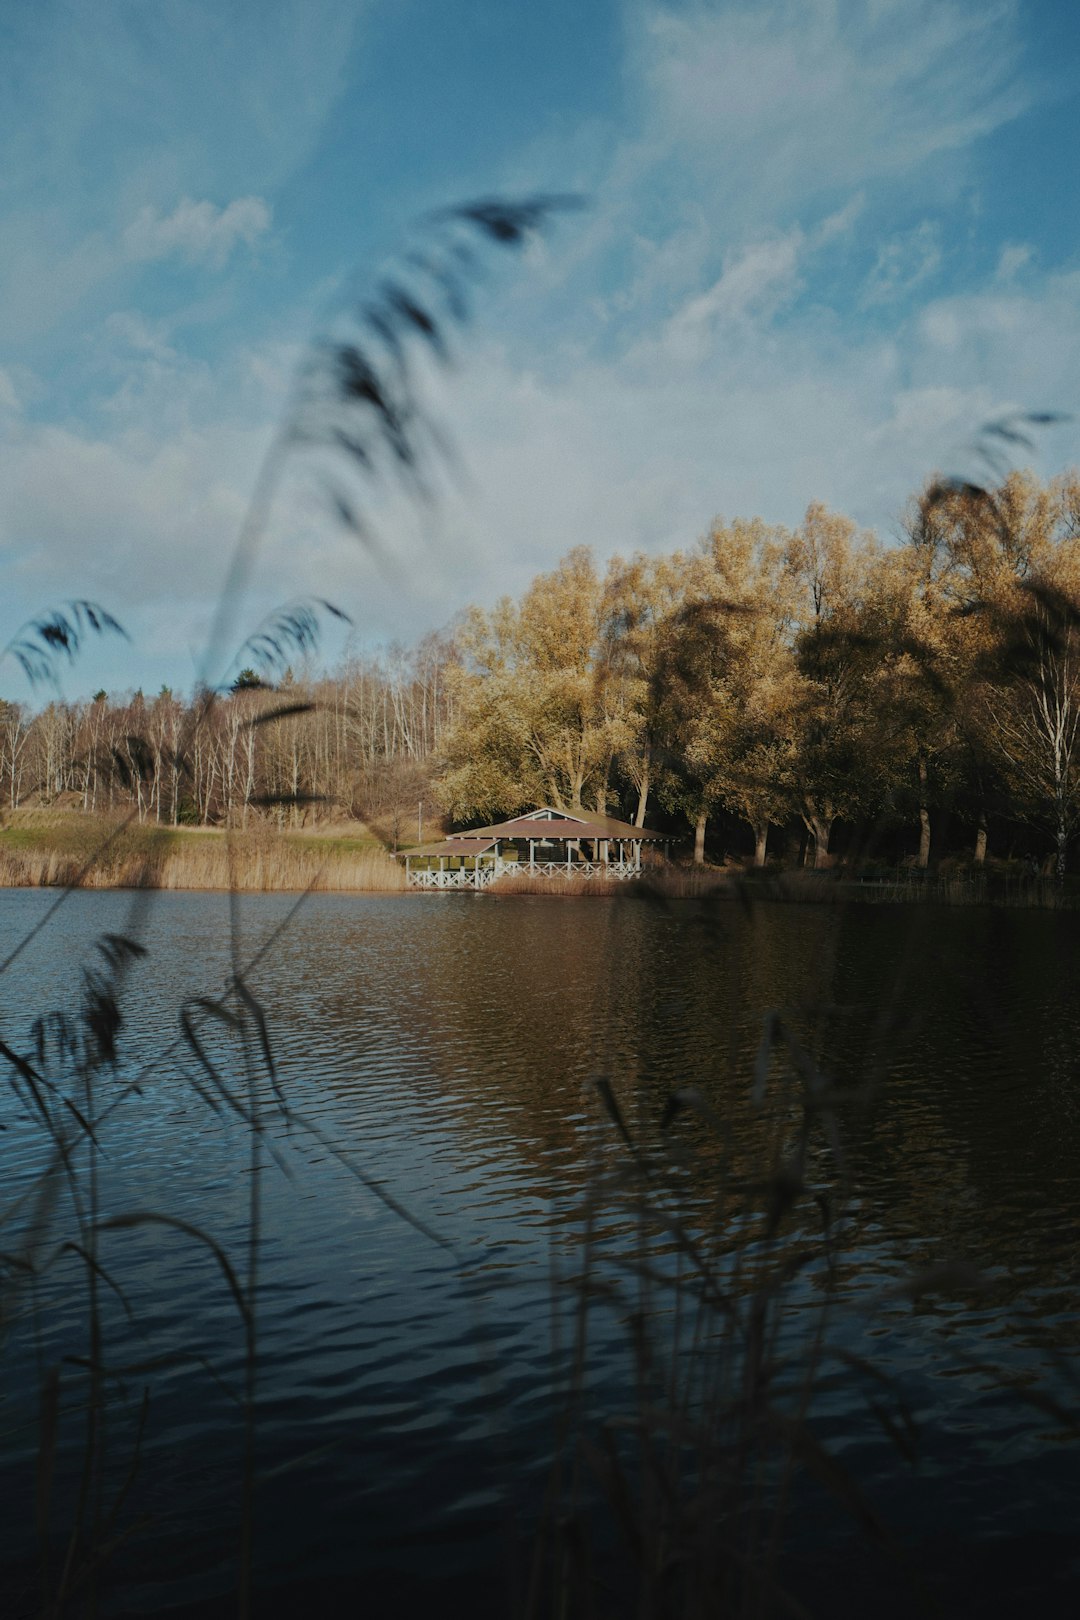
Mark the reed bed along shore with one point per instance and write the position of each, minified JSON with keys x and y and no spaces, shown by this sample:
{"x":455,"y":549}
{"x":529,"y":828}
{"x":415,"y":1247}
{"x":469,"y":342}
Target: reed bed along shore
{"x":563,"y":887}
{"x":996,"y":887}
{"x":164,"y":858}
{"x":673,"y":882}
{"x":797,"y":887}
{"x":42,"y":849}
{"x":289,"y":864}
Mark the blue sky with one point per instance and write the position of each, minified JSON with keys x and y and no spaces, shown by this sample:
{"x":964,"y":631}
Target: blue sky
{"x":824,"y":242}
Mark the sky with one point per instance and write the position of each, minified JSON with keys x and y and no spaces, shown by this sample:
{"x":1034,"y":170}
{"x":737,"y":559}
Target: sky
{"x":822,"y":243}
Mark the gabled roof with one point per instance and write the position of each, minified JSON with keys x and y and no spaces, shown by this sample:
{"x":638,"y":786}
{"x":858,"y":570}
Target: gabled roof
{"x":560,"y":826}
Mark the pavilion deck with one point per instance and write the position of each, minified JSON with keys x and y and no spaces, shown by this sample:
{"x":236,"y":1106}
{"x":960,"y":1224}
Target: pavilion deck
{"x":477,"y":873}
{"x":545,"y":844}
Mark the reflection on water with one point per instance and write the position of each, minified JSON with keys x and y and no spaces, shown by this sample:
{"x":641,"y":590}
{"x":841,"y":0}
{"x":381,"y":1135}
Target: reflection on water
{"x":448,"y":1047}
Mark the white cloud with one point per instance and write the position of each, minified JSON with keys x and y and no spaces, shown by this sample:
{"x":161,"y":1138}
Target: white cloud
{"x":181,"y":95}
{"x":691,"y":347}
{"x":9,"y":398}
{"x":110,"y":112}
{"x":904,"y":263}
{"x":1014,"y":257}
{"x":841,"y":223}
{"x":617,"y":452}
{"x":140,"y":508}
{"x":1026,"y":341}
{"x":731,"y":370}
{"x":131,"y":332}
{"x":755,"y":282}
{"x":797,"y":97}
{"x":639,"y":448}
{"x":748,"y":122}
{"x":197,"y":232}
{"x":141,"y":517}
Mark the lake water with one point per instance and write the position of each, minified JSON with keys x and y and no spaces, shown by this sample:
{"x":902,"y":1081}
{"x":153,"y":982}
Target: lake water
{"x":447,"y":1048}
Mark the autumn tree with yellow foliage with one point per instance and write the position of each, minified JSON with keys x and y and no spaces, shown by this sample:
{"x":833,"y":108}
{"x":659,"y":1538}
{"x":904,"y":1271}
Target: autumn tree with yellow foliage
{"x":809,"y":674}
{"x":1014,"y":558}
{"x":542,"y":708}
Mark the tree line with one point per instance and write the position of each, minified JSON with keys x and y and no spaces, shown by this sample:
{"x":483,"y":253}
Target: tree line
{"x":811,"y":676}
{"x":354,"y":741}
{"x":802,"y":678}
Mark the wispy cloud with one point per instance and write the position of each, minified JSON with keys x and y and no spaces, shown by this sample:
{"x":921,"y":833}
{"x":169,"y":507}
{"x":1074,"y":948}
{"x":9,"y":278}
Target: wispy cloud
{"x":9,"y":398}
{"x":197,"y":232}
{"x":1014,"y":257}
{"x":110,"y":113}
{"x":808,"y":95}
{"x":750,"y":316}
{"x":755,"y":282}
{"x":128,"y":331}
{"x":748,"y":122}
{"x":904,"y":263}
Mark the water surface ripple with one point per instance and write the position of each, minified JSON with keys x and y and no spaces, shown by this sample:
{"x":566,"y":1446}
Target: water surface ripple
{"x":447,"y":1048}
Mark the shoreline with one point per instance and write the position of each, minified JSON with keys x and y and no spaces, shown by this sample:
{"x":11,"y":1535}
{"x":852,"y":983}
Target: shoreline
{"x":680,"y":887}
{"x":61,"y":848}
{"x":64,"y":850}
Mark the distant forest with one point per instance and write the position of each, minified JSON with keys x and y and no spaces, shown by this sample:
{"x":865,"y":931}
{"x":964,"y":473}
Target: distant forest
{"x":806,"y":690}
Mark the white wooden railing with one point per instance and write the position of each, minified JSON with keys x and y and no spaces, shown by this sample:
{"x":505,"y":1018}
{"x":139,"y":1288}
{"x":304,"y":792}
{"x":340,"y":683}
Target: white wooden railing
{"x":481,"y":876}
{"x":459,"y":877}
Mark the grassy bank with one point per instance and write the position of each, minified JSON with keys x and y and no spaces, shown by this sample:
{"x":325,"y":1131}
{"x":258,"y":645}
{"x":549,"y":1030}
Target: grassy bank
{"x":42,"y":850}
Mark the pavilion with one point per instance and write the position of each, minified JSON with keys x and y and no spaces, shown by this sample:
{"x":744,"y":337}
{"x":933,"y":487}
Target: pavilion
{"x":543,"y":843}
